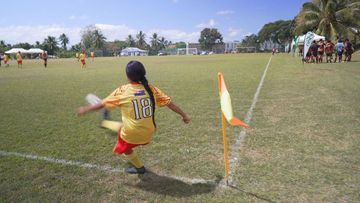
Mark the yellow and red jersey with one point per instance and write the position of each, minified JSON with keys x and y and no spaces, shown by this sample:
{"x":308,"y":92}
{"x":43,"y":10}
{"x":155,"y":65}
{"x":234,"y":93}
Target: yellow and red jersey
{"x":18,"y":57}
{"x":136,"y":110}
{"x":82,"y":56}
{"x":6,"y":58}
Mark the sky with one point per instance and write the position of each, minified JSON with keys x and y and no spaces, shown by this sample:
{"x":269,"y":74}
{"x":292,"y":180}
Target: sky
{"x":176,"y":20}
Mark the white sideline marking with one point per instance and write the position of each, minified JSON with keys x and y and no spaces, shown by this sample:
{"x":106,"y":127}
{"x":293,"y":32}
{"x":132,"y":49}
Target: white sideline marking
{"x":234,"y":162}
{"x":105,"y":168}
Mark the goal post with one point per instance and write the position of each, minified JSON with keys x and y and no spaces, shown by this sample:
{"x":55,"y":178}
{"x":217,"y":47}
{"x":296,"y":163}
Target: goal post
{"x":246,"y":49}
{"x":187,"y":51}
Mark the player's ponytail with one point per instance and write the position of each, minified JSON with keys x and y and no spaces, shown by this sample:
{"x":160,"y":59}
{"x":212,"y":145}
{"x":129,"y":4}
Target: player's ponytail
{"x":135,"y":71}
{"x":147,"y":88}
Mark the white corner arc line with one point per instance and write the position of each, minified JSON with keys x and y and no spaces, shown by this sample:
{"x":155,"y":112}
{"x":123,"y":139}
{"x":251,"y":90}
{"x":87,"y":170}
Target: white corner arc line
{"x":105,"y":168}
{"x":62,"y":161}
{"x":233,"y":160}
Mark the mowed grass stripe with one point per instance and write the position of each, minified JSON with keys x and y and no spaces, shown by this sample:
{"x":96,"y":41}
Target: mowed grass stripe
{"x":234,"y":158}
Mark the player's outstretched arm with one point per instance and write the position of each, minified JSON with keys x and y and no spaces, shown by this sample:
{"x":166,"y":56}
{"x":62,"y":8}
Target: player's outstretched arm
{"x":179,"y":111}
{"x":85,"y":109}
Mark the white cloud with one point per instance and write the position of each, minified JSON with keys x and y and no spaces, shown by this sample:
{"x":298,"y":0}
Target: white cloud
{"x":232,"y":32}
{"x":81,"y":17}
{"x":210,"y":24}
{"x":30,"y":34}
{"x":175,"y":35}
{"x":113,"y":32}
{"x":225,"y":12}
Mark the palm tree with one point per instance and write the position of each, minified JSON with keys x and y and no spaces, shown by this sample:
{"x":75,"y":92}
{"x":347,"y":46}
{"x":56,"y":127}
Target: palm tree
{"x":155,"y":44}
{"x":64,"y":40}
{"x":141,"y":43}
{"x":99,"y":39}
{"x":130,"y":41}
{"x":37,"y":44}
{"x":330,"y":18}
{"x":2,"y":45}
{"x":164,"y":42}
{"x":50,"y":44}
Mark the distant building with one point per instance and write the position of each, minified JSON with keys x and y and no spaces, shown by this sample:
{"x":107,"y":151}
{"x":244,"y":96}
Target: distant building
{"x":133,"y":51}
{"x":195,"y":45}
{"x":268,"y":45}
{"x":231,"y":46}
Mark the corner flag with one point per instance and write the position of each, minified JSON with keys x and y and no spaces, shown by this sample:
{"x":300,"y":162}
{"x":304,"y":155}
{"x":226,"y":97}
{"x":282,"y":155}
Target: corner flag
{"x":227,"y":114}
{"x":226,"y":106}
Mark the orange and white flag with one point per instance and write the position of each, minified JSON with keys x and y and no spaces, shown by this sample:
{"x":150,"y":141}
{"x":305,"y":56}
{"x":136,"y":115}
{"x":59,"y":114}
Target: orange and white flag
{"x":226,"y":106}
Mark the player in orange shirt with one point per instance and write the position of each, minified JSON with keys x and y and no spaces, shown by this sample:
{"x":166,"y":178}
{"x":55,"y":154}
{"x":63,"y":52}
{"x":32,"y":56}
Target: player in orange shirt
{"x":92,"y":55}
{"x":6,"y":59}
{"x":82,"y":57}
{"x":137,"y":101}
{"x":77,"y":56}
{"x":19,"y":59}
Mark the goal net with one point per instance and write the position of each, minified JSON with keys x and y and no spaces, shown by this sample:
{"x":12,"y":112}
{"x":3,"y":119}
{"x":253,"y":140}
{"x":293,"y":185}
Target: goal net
{"x":246,"y":49}
{"x":187,"y":51}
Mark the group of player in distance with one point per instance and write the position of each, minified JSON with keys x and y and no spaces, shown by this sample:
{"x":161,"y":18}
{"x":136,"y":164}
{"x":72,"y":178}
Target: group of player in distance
{"x":82,"y":56}
{"x":44,"y":56}
{"x":19,"y":58}
{"x":316,"y":51}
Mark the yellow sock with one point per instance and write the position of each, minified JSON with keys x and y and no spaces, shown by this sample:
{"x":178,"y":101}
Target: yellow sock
{"x":134,"y":160}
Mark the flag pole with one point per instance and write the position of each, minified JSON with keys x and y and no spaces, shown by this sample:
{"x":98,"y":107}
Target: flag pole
{"x":226,"y":161}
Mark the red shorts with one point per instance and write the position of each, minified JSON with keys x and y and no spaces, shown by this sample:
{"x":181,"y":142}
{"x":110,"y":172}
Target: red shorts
{"x":5,"y":62}
{"x":19,"y":62}
{"x":82,"y":61}
{"x":122,"y":146}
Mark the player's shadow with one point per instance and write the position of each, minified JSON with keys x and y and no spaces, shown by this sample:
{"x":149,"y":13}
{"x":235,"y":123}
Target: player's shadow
{"x":165,"y":185}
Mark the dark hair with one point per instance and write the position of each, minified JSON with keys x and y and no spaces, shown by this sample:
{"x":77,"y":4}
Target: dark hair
{"x":135,"y":71}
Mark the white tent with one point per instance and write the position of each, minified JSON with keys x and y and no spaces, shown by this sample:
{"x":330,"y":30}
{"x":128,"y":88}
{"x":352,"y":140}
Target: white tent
{"x":301,"y":41}
{"x":16,"y":50}
{"x":133,"y":51}
{"x":316,"y":38}
{"x":34,"y":51}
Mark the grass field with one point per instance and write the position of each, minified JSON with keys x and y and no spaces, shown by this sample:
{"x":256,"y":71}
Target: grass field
{"x":303,"y":144}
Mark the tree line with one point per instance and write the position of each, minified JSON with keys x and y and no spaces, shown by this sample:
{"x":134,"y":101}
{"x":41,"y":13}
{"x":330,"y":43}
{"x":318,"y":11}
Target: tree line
{"x":329,"y":18}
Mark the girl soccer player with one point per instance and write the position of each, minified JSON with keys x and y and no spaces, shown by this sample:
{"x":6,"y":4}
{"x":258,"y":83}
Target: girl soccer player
{"x":137,"y":101}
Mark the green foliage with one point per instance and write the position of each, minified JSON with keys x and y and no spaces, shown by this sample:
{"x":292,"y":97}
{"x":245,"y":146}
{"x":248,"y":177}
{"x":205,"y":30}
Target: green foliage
{"x":140,"y":40}
{"x":50,"y":44}
{"x":64,"y":40}
{"x":209,"y":37}
{"x":23,"y":45}
{"x":155,"y":44}
{"x":180,"y":45}
{"x":330,"y":18}
{"x":130,"y":41}
{"x":65,"y":54}
{"x":114,"y":47}
{"x":77,"y":47}
{"x":278,"y":31}
{"x":250,"y":41}
{"x":92,"y":38}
